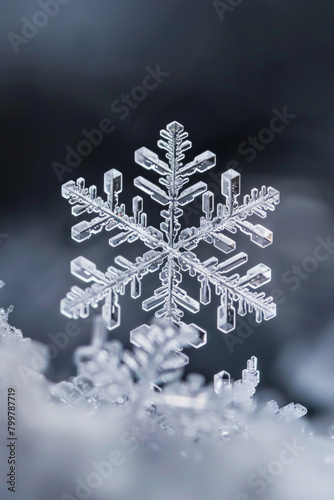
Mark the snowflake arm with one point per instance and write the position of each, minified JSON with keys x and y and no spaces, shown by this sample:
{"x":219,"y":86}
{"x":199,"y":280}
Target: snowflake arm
{"x":234,"y":288}
{"x":107,"y":286}
{"x":111,"y":214}
{"x":288,"y":413}
{"x":231,"y":217}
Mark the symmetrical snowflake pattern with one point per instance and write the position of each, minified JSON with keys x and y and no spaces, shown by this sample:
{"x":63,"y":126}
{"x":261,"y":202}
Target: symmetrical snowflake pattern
{"x":171,"y":249}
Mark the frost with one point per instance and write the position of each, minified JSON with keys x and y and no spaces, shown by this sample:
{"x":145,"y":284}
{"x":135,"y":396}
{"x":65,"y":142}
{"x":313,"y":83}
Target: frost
{"x":9,"y":335}
{"x":171,"y":248}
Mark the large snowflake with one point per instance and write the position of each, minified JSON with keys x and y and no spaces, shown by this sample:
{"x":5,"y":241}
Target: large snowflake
{"x":171,"y":247}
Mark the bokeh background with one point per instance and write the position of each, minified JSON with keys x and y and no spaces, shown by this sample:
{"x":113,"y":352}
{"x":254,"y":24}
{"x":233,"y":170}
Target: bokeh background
{"x":225,"y":73}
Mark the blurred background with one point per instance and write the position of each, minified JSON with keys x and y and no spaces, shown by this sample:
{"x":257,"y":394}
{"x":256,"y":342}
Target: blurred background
{"x":224,"y":72}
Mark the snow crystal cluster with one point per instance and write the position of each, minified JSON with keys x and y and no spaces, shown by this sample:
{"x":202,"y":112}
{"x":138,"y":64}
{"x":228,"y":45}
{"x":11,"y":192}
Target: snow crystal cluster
{"x":148,"y":381}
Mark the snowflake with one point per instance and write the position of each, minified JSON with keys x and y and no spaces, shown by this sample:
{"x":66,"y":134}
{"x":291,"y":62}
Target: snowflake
{"x":171,"y":248}
{"x":149,"y":381}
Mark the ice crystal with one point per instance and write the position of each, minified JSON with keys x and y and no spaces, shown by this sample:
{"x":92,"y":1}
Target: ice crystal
{"x":148,"y":381}
{"x":171,"y":248}
{"x":106,"y":374}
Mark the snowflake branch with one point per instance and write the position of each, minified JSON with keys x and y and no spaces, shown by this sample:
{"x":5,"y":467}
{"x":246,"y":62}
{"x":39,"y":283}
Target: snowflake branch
{"x":236,"y":287}
{"x":107,"y":285}
{"x":211,"y":227}
{"x":110,"y":218}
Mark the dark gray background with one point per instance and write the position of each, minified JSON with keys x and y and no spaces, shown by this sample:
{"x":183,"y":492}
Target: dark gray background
{"x":225,"y":78}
